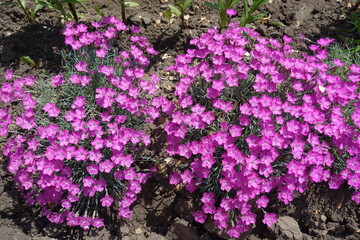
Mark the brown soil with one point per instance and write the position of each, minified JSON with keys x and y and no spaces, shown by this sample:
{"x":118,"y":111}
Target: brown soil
{"x":163,"y":212}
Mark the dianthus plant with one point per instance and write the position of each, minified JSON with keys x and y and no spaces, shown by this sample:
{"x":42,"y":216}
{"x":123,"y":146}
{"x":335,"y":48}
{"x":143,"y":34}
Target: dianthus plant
{"x":255,"y":116}
{"x":78,"y":144}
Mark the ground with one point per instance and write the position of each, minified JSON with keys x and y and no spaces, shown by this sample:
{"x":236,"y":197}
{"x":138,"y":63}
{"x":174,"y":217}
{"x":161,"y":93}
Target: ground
{"x":163,"y":212}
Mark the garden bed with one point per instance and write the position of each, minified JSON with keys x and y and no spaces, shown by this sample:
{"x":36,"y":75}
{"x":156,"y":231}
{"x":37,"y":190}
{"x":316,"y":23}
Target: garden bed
{"x":163,"y":211}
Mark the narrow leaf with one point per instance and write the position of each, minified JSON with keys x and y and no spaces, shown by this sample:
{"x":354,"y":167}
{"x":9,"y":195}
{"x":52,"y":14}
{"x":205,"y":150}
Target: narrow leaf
{"x":168,"y":13}
{"x":187,"y":4}
{"x":257,"y":17}
{"x":48,"y":5}
{"x":257,"y":4}
{"x":233,"y":3}
{"x":23,"y":3}
{"x":7,"y":3}
{"x":37,"y":8}
{"x":246,"y":9}
{"x":131,"y":4}
{"x":212,"y":5}
{"x":98,"y":11}
{"x":28,"y":60}
{"x":175,"y":10}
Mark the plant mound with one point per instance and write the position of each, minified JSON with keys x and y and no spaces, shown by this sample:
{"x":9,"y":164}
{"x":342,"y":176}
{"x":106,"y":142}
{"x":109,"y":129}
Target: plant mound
{"x":254,"y":116}
{"x":79,"y":144}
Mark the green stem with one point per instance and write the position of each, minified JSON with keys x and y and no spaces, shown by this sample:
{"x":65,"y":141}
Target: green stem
{"x":30,"y":19}
{"x":73,"y":11}
{"x":122,"y":4}
{"x":60,"y":8}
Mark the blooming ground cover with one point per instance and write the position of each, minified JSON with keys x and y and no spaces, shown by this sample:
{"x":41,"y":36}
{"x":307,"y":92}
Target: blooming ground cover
{"x":251,"y":117}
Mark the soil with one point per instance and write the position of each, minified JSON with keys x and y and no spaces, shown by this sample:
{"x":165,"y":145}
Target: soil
{"x":163,"y":212}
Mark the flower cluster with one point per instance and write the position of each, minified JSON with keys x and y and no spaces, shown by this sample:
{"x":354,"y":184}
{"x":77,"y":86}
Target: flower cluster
{"x":81,"y":135}
{"x":254,"y":116}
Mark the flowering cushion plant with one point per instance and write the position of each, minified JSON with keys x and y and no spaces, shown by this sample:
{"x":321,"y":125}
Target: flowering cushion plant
{"x":81,"y":136}
{"x":254,"y":116}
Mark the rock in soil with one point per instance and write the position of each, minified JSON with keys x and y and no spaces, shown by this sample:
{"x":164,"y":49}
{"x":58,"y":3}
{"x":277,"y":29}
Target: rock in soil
{"x":181,"y":229}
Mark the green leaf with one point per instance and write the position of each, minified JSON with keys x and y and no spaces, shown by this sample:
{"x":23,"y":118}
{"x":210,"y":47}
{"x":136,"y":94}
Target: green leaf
{"x":257,"y":4}
{"x":22,"y":3}
{"x":222,"y":5}
{"x":168,"y":13}
{"x":349,"y":40}
{"x":131,"y":4}
{"x":245,"y":16}
{"x":233,"y":3}
{"x":175,"y":10}
{"x":353,"y":50}
{"x":98,"y":11}
{"x":212,"y":5}
{"x":72,"y":1}
{"x":28,"y":60}
{"x":7,"y":3}
{"x":48,"y":5}
{"x":257,"y":17}
{"x":37,"y":8}
{"x":187,"y":4}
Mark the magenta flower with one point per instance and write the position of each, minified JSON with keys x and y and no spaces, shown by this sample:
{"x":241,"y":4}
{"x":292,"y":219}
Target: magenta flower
{"x":92,"y":169}
{"x":269,"y":219}
{"x":88,"y":181}
{"x":8,"y":74}
{"x":108,"y":71}
{"x":262,"y":202}
{"x":199,"y":216}
{"x":338,"y":63}
{"x":356,"y":197}
{"x":231,"y":12}
{"x":106,"y":201}
{"x":106,"y":166}
{"x":235,"y":131}
{"x":81,"y":66}
{"x":51,"y":109}
{"x":325,"y":41}
{"x":175,"y":178}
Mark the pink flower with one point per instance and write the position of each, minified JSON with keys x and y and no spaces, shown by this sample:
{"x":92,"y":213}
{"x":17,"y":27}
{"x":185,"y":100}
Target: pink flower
{"x":66,"y":204}
{"x":97,"y":222}
{"x":129,"y":174}
{"x":8,"y":74}
{"x":199,"y":216}
{"x":92,"y":169}
{"x":287,"y":39}
{"x":85,"y":80}
{"x":338,"y":63}
{"x":269,"y":219}
{"x":106,"y":201}
{"x":175,"y":178}
{"x":101,"y":53}
{"x":262,"y":202}
{"x":78,"y":102}
{"x":106,"y":166}
{"x":81,"y":66}
{"x":187,"y":176}
{"x":108,"y":71}
{"x":51,"y":109}
{"x":88,"y":181}
{"x":235,"y":131}
{"x":356,"y":197}
{"x":75,"y":79}
{"x":208,"y":198}
{"x":325,"y":41}
{"x":231,"y":12}
{"x":233,"y":232}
